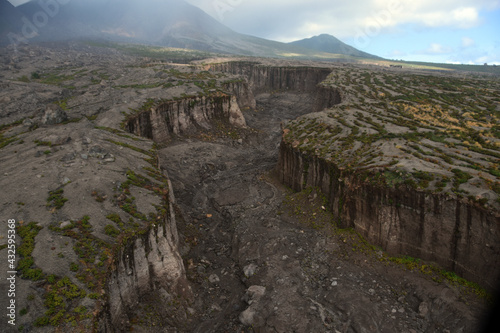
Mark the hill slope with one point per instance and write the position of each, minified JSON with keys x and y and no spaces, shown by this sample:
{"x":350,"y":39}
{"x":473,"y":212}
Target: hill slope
{"x":10,"y":18}
{"x":330,"y":44}
{"x":171,"y":23}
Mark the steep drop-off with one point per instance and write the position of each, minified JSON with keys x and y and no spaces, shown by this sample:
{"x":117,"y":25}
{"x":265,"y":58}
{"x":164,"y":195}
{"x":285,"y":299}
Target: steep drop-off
{"x":147,"y":263}
{"x":458,"y":235}
{"x":241,"y":90}
{"x":105,"y":244}
{"x":326,"y":97}
{"x":181,"y":116}
{"x":266,"y":78}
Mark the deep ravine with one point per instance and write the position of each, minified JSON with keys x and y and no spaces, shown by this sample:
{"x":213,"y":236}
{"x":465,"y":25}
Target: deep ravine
{"x":237,"y":235}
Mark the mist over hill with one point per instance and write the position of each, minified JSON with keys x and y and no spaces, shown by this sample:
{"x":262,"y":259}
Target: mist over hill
{"x":10,"y":17}
{"x":330,"y":44}
{"x":170,"y":23}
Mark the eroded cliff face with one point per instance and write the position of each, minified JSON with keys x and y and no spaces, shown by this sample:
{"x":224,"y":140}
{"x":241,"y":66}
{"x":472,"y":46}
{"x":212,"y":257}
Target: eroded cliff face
{"x":147,"y":263}
{"x":266,"y":78}
{"x":241,"y":90}
{"x":177,"y":117}
{"x":457,"y":235}
{"x":326,"y":97}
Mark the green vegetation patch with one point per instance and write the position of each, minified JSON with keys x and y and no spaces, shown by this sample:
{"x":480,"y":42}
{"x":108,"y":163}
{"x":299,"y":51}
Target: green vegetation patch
{"x":95,"y":255}
{"x":56,"y":200}
{"x":23,"y":78}
{"x":5,"y":141}
{"x":175,"y":55}
{"x":120,"y":133}
{"x":98,"y":196}
{"x":58,"y":302}
{"x":55,"y":79}
{"x":308,"y":206}
{"x":110,"y":230}
{"x":438,"y":274}
{"x":26,"y":264}
{"x":43,"y":143}
{"x":431,"y":128}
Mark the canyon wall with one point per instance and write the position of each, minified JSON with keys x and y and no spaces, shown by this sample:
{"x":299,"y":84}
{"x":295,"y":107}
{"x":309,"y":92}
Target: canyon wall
{"x":266,"y":78}
{"x":181,"y":116}
{"x":241,"y":90}
{"x":325,"y":97}
{"x":147,"y":262}
{"x":459,"y":236}
{"x":263,"y":78}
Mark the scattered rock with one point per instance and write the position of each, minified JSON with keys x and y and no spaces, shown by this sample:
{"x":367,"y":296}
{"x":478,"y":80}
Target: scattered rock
{"x":65,"y":224}
{"x":247,"y":317}
{"x":28,"y":122}
{"x":200,"y":269}
{"x":53,"y":115}
{"x":250,"y":270}
{"x":98,"y":152}
{"x":216,"y":307}
{"x":214,"y":278}
{"x":423,"y":309}
{"x":110,"y":158}
{"x":284,"y":306}
{"x":58,"y":140}
{"x":250,"y":316}
{"x":254,"y":294}
{"x":68,"y":157}
{"x":165,"y":295}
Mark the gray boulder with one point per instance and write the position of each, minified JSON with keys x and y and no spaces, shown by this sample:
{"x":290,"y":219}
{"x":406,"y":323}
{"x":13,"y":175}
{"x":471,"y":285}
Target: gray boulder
{"x":53,"y":115}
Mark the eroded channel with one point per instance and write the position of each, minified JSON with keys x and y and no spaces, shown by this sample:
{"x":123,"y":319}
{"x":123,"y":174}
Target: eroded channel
{"x":255,"y":266}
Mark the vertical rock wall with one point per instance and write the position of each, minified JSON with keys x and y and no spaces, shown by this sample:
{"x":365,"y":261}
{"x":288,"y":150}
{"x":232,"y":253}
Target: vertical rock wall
{"x":326,"y":97}
{"x":181,"y":116}
{"x":149,"y":262}
{"x":263,"y":78}
{"x":244,"y":95}
{"x":459,"y":236}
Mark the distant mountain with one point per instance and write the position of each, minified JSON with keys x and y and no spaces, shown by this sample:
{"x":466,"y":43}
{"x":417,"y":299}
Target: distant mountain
{"x":171,"y":23}
{"x":10,"y":18}
{"x":330,"y":44}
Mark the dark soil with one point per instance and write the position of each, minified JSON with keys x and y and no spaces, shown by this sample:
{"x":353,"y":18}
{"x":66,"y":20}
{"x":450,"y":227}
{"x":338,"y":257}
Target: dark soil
{"x":243,"y":229}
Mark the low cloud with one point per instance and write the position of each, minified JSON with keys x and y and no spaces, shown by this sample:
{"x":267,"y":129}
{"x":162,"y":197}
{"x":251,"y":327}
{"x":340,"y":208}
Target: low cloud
{"x":300,"y":18}
{"x":468,"y":42}
{"x":397,"y":54}
{"x":436,"y":48}
{"x":18,"y":2}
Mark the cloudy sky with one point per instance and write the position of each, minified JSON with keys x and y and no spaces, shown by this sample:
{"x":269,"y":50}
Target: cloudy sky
{"x":459,"y":31}
{"x":455,"y":31}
